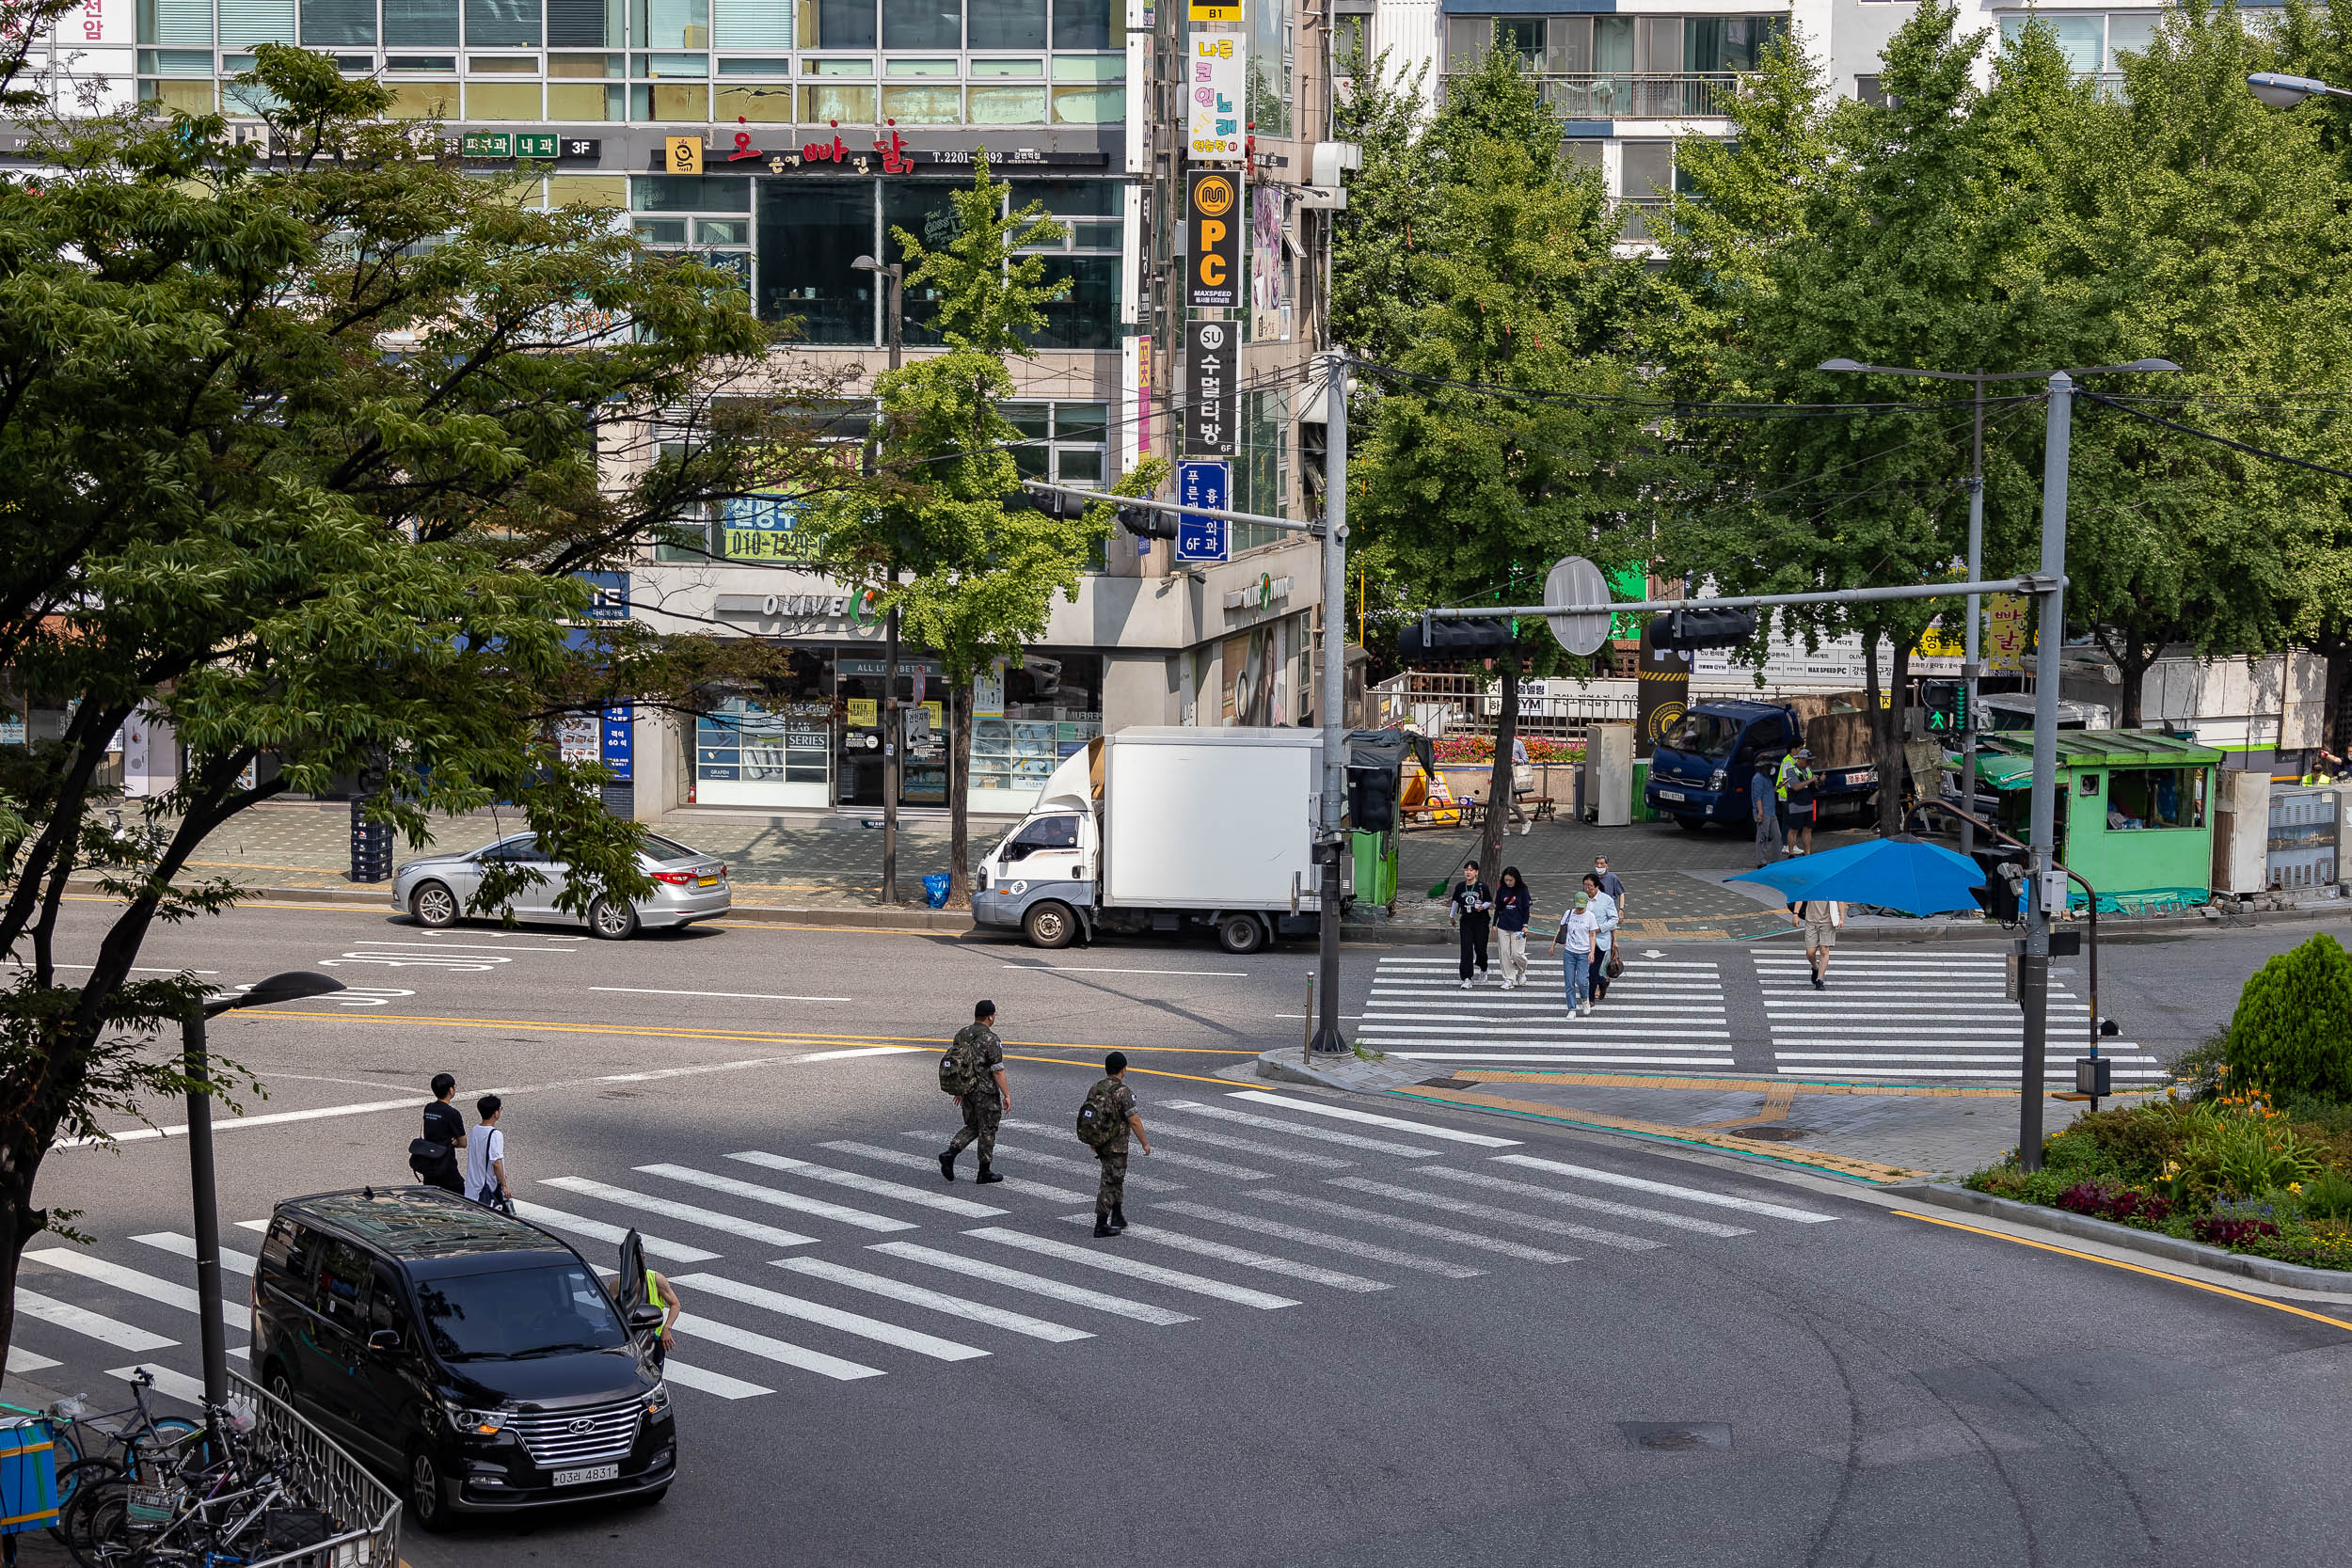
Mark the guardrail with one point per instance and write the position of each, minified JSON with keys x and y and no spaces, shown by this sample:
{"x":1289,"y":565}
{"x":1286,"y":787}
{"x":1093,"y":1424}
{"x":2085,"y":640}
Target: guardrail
{"x":365,"y":1512}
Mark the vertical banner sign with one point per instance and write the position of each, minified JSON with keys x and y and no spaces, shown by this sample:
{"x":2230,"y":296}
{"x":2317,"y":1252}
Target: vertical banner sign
{"x":1143,"y":395}
{"x":1220,"y":64}
{"x":1662,"y":690}
{"x":1212,"y":399}
{"x":620,"y":741}
{"x":1213,"y":225}
{"x":1209,"y":484}
{"x":2005,"y":637}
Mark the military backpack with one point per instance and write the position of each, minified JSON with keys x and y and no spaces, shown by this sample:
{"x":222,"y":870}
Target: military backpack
{"x":1098,"y":1121}
{"x":963,"y":1069}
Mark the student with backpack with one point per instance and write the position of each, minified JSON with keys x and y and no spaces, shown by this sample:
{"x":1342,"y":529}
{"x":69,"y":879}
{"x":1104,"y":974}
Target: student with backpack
{"x":1104,"y":1122}
{"x":485,"y":1159}
{"x":438,"y":1157}
{"x":973,"y":1073}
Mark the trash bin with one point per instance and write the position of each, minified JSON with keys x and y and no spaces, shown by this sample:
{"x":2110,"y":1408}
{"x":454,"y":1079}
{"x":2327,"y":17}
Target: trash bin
{"x":935,"y":890}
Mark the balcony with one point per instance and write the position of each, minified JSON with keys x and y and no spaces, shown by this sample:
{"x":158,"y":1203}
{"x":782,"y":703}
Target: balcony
{"x":1642,"y":217}
{"x":1623,"y":95}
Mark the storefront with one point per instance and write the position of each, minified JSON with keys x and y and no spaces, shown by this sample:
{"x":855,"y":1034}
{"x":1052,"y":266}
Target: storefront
{"x":2130,"y":810}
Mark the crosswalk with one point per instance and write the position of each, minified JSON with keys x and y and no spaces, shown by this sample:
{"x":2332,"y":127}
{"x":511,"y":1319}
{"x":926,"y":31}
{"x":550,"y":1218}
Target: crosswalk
{"x":1660,"y":1014}
{"x":1939,"y":1016}
{"x":1276,"y":1201}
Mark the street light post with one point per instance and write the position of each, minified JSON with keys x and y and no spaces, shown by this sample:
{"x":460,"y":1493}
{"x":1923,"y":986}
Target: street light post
{"x":1330,"y":1039}
{"x":204,"y":1196}
{"x":892,"y":726}
{"x":2281,"y":91}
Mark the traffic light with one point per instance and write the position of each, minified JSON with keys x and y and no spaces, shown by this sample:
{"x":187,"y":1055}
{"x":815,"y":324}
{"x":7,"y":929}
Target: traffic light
{"x":1946,"y":705}
{"x":1148,"y":522}
{"x":1053,"y":503}
{"x":1371,"y":799}
{"x":1445,"y":641}
{"x":1702,"y":627}
{"x":1314,"y":456}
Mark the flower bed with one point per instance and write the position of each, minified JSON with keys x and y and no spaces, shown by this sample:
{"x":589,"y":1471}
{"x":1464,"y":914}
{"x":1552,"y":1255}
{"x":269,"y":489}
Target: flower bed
{"x":2228,"y":1170}
{"x":1455,"y":749}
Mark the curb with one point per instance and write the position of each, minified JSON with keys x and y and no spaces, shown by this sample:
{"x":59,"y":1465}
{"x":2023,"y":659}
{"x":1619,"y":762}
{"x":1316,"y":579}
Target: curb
{"x":1945,"y":1194}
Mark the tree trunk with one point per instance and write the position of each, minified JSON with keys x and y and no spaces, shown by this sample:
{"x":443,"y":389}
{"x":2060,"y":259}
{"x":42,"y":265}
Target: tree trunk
{"x":2332,"y":714}
{"x":1499,"y":781}
{"x":2133,"y":667}
{"x":959,"y":795}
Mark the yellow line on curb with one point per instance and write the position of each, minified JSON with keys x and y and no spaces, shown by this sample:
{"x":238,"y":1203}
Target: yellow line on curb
{"x":2135,"y":1268}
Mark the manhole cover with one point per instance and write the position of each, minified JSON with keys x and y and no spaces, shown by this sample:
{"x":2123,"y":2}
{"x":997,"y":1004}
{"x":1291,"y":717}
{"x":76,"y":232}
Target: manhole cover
{"x":1773,"y":1135}
{"x":1675,"y":1436}
{"x":1449,"y":1083}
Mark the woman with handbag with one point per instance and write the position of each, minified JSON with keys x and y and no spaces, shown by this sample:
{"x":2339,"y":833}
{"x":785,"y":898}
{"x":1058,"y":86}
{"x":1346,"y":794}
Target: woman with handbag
{"x":1604,"y":913}
{"x":1573,"y":942}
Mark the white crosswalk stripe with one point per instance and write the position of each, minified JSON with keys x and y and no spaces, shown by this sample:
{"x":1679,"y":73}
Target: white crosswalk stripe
{"x":1248,"y":1145}
{"x":1659,"y":1014}
{"x":1241,"y":1296}
{"x":1373,"y":1118}
{"x":797,"y":1203}
{"x":237,"y":1314}
{"x":1412,"y":1227}
{"x":1164,"y":1156}
{"x":94,"y":1325}
{"x":858,"y":1181}
{"x":831,"y":1317}
{"x":1203,"y":1247}
{"x":1299,"y":1233}
{"x":177,"y":1385}
{"x":1581,"y":1200}
{"x":917,"y":1295}
{"x":1091,"y":1170}
{"x":1036,"y":1285}
{"x":1488,"y":1211}
{"x":1296,"y":1129}
{"x":1888,"y":1015}
{"x":713,"y":1219}
{"x":232,"y":1260}
{"x":1016,"y":1185}
{"x":725,"y":1387}
{"x":21,"y":1361}
{"x":656,"y":1246}
{"x":1688,"y":1195}
{"x":693,"y":1326}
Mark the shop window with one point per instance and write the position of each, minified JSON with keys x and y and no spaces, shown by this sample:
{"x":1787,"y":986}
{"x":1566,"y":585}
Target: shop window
{"x":771,"y":750}
{"x":925,"y":209}
{"x":1087,"y":316}
{"x":809,"y":233}
{"x":422,"y":21}
{"x":2154,"y":798}
{"x":691,"y":193}
{"x":1025,"y":720}
{"x":1007,"y":24}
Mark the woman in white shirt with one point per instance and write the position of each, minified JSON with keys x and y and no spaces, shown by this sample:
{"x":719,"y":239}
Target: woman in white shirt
{"x":1604,"y":913}
{"x":1574,"y":942}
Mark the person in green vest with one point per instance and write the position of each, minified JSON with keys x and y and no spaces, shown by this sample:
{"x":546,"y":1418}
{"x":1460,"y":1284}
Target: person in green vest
{"x":661,"y":1292}
{"x":1795,"y":784}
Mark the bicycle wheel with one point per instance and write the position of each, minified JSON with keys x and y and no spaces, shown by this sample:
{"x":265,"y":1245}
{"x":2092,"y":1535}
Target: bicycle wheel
{"x":72,"y":1479}
{"x":97,"y":1527}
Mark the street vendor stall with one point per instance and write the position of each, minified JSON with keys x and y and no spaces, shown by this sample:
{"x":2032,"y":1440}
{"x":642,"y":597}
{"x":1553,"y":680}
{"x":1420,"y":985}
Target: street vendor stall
{"x":2132,"y":810}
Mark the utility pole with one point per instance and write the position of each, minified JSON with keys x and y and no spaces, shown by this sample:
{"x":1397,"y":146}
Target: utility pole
{"x":1970,"y":663}
{"x":1331,"y":843}
{"x":2033,"y":980}
{"x":893,"y":729}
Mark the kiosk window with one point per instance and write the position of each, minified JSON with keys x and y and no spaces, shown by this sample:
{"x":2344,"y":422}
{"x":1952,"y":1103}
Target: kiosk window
{"x":2152,"y":797}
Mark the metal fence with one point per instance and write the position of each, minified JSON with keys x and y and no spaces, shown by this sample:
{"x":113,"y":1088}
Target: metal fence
{"x":1446,"y":704}
{"x":1622,"y":95}
{"x":365,"y":1512}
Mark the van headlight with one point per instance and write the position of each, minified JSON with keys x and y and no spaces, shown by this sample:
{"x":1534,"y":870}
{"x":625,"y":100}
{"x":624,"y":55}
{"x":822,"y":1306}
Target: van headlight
{"x":1717,"y":782}
{"x":476,"y":1423}
{"x":658,"y":1401}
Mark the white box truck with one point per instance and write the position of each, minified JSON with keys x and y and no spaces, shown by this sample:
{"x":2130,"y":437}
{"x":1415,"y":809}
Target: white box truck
{"x":1165,"y":830}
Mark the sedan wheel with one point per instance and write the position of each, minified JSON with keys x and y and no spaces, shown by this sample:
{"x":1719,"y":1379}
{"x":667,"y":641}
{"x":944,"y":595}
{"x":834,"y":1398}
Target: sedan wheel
{"x":433,"y":905}
{"x":612,"y":922}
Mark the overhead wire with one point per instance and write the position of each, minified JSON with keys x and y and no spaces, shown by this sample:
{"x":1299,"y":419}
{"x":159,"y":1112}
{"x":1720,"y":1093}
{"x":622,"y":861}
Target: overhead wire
{"x":2215,"y":437}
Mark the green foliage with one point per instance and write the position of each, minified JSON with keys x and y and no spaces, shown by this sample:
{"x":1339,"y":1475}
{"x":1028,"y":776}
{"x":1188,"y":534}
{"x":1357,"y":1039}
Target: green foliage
{"x":2292,"y":1033}
{"x":1386,"y":199}
{"x":2329,"y":1195}
{"x":2240,"y":1155}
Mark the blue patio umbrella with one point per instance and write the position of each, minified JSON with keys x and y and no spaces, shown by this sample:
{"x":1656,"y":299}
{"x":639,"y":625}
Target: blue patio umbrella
{"x":1901,"y":873}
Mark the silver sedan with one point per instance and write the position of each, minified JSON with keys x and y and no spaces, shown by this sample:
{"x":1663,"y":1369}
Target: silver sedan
{"x":688,"y":886}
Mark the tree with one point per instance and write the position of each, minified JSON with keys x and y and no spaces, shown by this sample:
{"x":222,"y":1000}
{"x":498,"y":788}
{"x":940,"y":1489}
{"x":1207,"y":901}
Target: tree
{"x":970,"y":566}
{"x":1494,"y":452}
{"x":304,"y":457}
{"x":1373,"y":238}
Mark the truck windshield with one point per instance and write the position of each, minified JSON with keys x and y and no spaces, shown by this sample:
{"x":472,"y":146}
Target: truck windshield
{"x":1706,"y":735}
{"x":516,"y":1313}
{"x":1044,"y":832}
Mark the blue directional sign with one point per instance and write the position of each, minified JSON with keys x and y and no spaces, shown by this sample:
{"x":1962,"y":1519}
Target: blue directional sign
{"x":1209,"y":484}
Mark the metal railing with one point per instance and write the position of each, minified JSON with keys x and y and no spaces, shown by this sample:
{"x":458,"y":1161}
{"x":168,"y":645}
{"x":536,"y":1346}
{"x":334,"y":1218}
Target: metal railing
{"x":1623,"y":95}
{"x":1640,"y":218}
{"x":364,"y":1512}
{"x":1451,"y":704}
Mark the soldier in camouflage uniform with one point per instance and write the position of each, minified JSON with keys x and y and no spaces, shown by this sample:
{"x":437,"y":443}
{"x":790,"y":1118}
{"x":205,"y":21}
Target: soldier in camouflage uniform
{"x":986,"y":1105}
{"x":1110,"y":1214}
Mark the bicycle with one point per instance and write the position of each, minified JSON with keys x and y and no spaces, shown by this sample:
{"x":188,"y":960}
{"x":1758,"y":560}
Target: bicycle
{"x":77,"y":1466}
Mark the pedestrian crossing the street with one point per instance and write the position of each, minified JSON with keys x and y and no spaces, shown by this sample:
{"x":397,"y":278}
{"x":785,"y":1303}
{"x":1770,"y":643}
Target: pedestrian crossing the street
{"x":1284,"y":1200}
{"x":1659,"y":1014}
{"x":1943,"y":1017}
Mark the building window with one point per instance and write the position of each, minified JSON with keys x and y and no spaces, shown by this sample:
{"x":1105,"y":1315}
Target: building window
{"x":1868,"y":89}
{"x":838,"y":24}
{"x":1262,"y":468}
{"x":1082,"y":24}
{"x":1007,"y":24}
{"x":422,"y":23}
{"x":809,"y":233}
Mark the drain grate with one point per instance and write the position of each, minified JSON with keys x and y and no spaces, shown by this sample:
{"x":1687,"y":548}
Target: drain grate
{"x":1773,"y":1135}
{"x":1675,"y":1436}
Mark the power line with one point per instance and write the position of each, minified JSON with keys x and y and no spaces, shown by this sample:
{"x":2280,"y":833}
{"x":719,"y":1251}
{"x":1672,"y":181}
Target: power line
{"x":2218,"y":440}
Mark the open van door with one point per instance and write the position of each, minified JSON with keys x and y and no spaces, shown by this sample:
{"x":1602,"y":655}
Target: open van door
{"x":628,"y":1291}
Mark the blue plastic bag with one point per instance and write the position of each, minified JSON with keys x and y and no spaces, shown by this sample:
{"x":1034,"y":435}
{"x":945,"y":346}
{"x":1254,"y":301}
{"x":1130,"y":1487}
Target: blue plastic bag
{"x":935,"y":890}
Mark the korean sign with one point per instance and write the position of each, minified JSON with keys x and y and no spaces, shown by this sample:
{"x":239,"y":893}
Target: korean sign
{"x":1212,"y":399}
{"x":1220,"y":64}
{"x":1210,"y":484}
{"x":2006,"y":641}
{"x":766,"y":527}
{"x":1213,"y":222}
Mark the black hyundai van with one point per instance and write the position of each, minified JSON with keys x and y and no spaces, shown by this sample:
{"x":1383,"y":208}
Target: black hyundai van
{"x":475,"y":1356}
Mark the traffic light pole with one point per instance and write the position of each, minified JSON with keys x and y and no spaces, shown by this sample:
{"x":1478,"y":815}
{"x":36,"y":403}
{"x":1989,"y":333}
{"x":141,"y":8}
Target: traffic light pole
{"x":1972,"y":661}
{"x":1330,"y":843}
{"x":2033,"y":976}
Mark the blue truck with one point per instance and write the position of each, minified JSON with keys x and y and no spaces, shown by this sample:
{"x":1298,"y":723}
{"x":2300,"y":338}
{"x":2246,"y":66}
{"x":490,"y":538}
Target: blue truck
{"x":1700,"y":769}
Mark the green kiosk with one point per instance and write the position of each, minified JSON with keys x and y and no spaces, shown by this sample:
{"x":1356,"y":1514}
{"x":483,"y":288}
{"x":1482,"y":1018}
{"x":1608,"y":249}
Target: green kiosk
{"x":2132,"y":810}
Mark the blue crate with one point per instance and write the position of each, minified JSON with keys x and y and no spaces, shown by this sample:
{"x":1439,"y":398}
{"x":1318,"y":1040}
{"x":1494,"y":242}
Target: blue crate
{"x":28,"y":1475}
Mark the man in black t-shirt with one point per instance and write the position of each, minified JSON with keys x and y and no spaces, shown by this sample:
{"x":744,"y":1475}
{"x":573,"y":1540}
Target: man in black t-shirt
{"x":444,"y":1129}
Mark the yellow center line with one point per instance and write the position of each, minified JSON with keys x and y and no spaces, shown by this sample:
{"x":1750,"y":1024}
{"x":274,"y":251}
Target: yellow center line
{"x":768,"y":1036}
{"x":2135,"y":1268}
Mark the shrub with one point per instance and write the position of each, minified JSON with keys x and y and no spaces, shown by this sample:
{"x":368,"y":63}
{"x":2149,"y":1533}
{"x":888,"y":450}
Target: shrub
{"x":2221,"y":1231}
{"x":2292,"y":1033}
{"x":2329,"y":1195}
{"x":2237,"y":1151}
{"x":2199,"y":1068}
{"x":2135,"y":1141}
{"x":2123,"y":1204}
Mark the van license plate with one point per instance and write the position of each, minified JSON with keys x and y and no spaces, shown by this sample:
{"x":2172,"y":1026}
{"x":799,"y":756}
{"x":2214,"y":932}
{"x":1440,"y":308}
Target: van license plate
{"x":1671,"y":795}
{"x":594,"y":1472}
{"x":705,"y":882}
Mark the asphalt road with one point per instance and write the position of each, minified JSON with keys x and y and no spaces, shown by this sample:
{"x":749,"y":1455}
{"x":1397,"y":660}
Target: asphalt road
{"x":1410,"y":1348}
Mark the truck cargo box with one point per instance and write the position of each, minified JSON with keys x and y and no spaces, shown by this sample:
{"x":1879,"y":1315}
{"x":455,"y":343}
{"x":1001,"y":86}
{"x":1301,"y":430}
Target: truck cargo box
{"x":1202,"y":819}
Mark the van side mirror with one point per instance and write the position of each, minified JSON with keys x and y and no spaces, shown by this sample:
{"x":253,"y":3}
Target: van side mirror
{"x":645,"y":1318}
{"x":384,"y":1342}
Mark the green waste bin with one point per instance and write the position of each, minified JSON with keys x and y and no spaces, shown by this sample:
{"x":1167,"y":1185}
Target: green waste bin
{"x":1375,"y":866}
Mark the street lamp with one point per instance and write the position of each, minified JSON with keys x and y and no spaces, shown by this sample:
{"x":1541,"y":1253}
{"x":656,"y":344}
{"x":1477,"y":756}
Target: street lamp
{"x":2285,"y":92}
{"x":893,"y":731}
{"x":292,"y":986}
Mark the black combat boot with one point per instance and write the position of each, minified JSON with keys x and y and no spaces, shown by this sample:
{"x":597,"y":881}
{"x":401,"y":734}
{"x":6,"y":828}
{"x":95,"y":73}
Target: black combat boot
{"x":948,"y":1164}
{"x":1103,"y":1226}
{"x":1119,"y":1218}
{"x":986,"y":1175}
